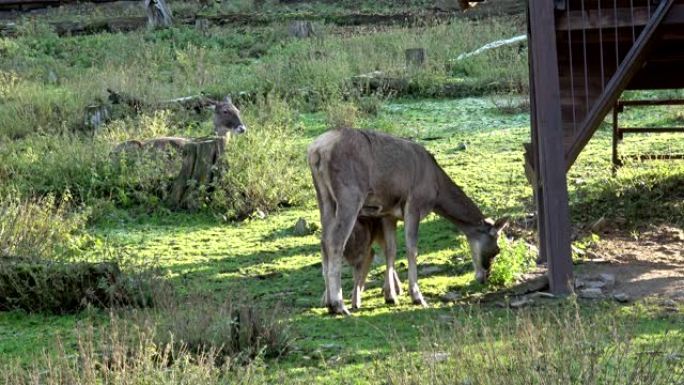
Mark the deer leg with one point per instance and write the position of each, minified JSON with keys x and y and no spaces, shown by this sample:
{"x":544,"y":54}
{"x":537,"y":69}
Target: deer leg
{"x":356,"y":291}
{"x":389,"y":227}
{"x":411,"y":221}
{"x":397,"y":283}
{"x":348,"y":205}
{"x":326,"y":210}
{"x":360,"y":274}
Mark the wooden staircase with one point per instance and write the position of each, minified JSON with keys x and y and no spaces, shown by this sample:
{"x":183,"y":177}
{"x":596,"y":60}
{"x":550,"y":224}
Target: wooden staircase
{"x":607,"y":46}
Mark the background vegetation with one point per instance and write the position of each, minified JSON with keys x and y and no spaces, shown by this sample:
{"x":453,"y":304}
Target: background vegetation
{"x":235,"y":287}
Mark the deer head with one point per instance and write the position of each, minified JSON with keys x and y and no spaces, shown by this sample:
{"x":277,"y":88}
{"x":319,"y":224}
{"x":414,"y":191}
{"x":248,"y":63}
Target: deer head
{"x":484,"y":246}
{"x":227,"y":118}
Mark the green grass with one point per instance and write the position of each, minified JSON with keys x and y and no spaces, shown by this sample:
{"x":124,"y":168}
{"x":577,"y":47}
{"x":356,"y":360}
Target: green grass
{"x":210,"y":254}
{"x":202,"y":254}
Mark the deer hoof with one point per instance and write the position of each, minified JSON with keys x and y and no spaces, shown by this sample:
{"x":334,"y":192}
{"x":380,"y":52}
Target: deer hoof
{"x":391,"y":300}
{"x":338,"y":309}
{"x":420,"y":302}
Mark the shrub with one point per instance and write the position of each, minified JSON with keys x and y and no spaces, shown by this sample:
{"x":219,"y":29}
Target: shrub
{"x":39,"y":227}
{"x":264,"y":169}
{"x":60,"y":287}
{"x":237,"y":329}
{"x":125,"y":353}
{"x":342,"y":115}
{"x":514,"y":259}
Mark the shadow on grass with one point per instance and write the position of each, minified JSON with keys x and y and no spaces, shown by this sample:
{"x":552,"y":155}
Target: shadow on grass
{"x":644,"y":199}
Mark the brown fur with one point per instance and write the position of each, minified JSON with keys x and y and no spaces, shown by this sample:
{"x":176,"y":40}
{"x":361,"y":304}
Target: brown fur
{"x":358,"y":252}
{"x":372,"y":174}
{"x":226,"y":121}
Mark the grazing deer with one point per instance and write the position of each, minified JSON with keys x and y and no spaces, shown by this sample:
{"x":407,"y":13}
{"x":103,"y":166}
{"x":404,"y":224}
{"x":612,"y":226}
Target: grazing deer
{"x":227,"y":121}
{"x":370,"y":174}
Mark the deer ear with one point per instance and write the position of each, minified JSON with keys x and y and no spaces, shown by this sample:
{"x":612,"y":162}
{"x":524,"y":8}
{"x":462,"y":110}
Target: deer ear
{"x":228,"y":100}
{"x":499,"y":225}
{"x":211,"y":103}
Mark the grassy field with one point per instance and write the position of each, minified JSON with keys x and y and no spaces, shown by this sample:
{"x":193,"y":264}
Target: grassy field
{"x":241,"y":244}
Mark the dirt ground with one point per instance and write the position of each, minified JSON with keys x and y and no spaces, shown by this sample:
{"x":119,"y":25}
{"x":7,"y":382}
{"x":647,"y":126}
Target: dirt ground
{"x":647,"y":264}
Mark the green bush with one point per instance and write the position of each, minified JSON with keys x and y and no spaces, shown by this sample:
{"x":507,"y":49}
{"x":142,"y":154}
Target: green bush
{"x":58,"y":287}
{"x":514,"y":259}
{"x":265,"y":169}
{"x":39,"y":228}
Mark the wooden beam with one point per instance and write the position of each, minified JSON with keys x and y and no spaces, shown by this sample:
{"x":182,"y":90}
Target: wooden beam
{"x":626,"y":17}
{"x":551,"y":192}
{"x":630,"y":65}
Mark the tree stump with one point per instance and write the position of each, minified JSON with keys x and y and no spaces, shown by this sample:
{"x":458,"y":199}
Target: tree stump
{"x":415,"y":57}
{"x":301,"y":29}
{"x":199,"y":168}
{"x":95,"y":115}
{"x":158,"y":13}
{"x":202,"y":25}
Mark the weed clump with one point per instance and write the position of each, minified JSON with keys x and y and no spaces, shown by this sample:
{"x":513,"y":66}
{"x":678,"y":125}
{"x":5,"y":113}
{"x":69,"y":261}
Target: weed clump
{"x":514,"y":259}
{"x":123,"y":352}
{"x":563,"y":347}
{"x":57,"y":287}
{"x":234,"y":330}
{"x":40,"y":228}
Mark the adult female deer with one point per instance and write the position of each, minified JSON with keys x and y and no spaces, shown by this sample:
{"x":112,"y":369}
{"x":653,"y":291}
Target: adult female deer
{"x":370,"y":174}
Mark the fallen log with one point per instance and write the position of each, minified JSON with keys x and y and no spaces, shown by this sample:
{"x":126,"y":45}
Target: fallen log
{"x":24,"y":5}
{"x":192,"y":102}
{"x":132,"y":23}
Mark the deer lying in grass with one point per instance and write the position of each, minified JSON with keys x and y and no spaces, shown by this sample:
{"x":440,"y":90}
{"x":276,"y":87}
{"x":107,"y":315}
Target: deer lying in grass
{"x":370,"y":174}
{"x":226,"y":121}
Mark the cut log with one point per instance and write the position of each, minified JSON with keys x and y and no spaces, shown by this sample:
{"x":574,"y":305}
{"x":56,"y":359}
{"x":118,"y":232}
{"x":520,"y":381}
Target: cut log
{"x":200,"y":167}
{"x":202,"y":25}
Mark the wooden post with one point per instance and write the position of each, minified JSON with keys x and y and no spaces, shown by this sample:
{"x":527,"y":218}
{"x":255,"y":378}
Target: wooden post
{"x":551,"y":192}
{"x":95,"y":115}
{"x":415,"y":57}
{"x":301,"y":29}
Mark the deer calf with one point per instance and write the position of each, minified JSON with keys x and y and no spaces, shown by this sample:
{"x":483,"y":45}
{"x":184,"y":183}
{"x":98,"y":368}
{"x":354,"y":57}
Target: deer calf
{"x":358,"y":252}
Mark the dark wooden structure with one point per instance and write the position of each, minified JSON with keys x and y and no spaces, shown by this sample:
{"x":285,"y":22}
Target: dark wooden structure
{"x":619,"y":132}
{"x":24,"y":5}
{"x":583,"y":55}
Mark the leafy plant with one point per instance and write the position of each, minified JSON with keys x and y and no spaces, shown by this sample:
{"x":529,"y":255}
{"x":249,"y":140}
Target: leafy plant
{"x":514,"y":259}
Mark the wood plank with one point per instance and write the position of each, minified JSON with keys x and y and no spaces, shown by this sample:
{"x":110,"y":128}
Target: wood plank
{"x":592,"y":19}
{"x":654,"y":102}
{"x":651,"y":130}
{"x":628,"y":68}
{"x":547,"y":133}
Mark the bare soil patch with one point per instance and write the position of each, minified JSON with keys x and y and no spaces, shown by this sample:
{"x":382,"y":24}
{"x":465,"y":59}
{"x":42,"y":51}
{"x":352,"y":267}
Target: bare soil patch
{"x":649,"y":263}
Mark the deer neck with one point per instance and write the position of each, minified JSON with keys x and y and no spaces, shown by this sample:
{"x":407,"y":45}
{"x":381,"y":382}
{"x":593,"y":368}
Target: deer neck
{"x":453,"y":205}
